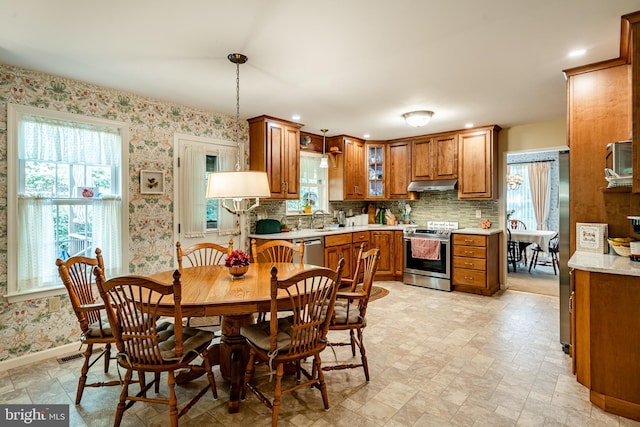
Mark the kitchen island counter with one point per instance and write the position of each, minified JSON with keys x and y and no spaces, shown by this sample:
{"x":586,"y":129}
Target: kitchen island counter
{"x":604,"y":263}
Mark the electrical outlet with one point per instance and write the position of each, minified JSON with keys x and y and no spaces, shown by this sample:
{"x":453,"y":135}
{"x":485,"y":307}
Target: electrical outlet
{"x":54,"y":304}
{"x":478,"y":213}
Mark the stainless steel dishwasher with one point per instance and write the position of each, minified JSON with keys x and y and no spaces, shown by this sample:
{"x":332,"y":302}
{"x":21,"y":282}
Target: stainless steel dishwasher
{"x":313,"y":250}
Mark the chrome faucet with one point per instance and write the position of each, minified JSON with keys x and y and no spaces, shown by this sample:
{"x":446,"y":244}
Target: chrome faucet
{"x":313,"y":217}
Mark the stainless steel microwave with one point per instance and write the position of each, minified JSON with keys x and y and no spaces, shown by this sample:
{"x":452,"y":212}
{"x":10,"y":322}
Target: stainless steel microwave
{"x":620,"y":158}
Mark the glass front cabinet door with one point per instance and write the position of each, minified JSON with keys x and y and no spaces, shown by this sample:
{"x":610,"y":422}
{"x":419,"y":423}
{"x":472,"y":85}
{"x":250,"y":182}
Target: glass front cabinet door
{"x":376,"y":171}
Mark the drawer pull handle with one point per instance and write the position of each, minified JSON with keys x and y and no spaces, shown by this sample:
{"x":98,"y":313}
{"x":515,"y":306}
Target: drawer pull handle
{"x":468,"y":277}
{"x":467,"y":263}
{"x":468,"y":252}
{"x":468,"y":241}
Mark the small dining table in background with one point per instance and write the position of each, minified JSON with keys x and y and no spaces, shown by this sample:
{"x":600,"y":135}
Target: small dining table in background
{"x":541,"y":237}
{"x":211,"y":291}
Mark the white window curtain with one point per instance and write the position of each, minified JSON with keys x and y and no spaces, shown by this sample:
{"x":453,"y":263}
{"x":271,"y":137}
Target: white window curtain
{"x":107,"y":231}
{"x":55,"y":140}
{"x":519,"y":200}
{"x":539,"y":178}
{"x":226,"y":163}
{"x":194,"y":190}
{"x":61,"y":141}
{"x":37,"y":243}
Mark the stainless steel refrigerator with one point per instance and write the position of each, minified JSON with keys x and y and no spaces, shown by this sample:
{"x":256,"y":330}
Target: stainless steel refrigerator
{"x":563,"y":241}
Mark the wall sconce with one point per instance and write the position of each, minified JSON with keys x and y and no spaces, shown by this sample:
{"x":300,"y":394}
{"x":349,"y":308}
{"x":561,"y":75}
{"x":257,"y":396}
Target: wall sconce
{"x":418,"y":118}
{"x":514,"y":181}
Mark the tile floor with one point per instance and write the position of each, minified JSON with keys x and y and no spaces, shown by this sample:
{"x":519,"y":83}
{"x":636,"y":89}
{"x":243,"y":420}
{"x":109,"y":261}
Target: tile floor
{"x":436,"y":359}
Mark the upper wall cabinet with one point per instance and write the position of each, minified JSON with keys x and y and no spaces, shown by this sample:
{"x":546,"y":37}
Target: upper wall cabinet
{"x":346,"y":173}
{"x":275,"y":149}
{"x":435,"y":157}
{"x":399,"y":170}
{"x":477,"y":169}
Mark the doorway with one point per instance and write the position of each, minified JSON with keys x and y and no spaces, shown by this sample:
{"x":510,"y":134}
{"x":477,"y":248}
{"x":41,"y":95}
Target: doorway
{"x":523,"y":168}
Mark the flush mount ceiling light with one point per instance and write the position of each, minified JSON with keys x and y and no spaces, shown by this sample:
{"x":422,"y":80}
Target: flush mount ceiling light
{"x":418,"y":118}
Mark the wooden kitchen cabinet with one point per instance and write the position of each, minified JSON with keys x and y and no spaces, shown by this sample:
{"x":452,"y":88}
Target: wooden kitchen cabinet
{"x":477,"y":167}
{"x":398,"y":255}
{"x":336,"y":247}
{"x":376,"y":174}
{"x":399,"y":171}
{"x":383,"y":240}
{"x":605,"y":336}
{"x":476,"y":263}
{"x":274,"y":147}
{"x":435,"y":157}
{"x":346,"y":173}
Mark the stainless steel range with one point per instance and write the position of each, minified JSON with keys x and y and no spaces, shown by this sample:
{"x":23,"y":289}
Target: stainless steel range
{"x":427,"y":255}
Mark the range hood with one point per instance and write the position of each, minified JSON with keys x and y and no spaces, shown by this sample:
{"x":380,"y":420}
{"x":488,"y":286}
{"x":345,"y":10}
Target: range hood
{"x":439,"y":185}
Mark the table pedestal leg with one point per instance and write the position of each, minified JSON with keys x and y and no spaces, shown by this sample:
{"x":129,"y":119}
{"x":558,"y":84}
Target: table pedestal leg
{"x":234,"y":355}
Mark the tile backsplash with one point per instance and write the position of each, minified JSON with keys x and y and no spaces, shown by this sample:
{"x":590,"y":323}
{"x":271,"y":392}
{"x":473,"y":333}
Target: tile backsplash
{"x":431,"y":206}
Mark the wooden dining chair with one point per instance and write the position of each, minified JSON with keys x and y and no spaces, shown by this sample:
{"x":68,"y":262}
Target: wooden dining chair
{"x":146,"y":345}
{"x":202,"y":254}
{"x":513,"y":252}
{"x":77,"y":276}
{"x":311,"y":295}
{"x":516,"y":224}
{"x":351,"y":309}
{"x":552,"y":250}
{"x":277,"y":251}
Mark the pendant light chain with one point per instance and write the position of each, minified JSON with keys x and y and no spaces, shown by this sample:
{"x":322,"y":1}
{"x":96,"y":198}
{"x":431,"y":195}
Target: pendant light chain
{"x":238,"y":154}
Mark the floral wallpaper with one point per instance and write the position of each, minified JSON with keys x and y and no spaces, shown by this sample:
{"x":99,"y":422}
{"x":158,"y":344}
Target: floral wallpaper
{"x":28,"y":326}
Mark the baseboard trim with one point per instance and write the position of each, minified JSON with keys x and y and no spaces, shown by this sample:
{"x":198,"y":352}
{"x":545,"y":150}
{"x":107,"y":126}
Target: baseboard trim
{"x":16,"y":362}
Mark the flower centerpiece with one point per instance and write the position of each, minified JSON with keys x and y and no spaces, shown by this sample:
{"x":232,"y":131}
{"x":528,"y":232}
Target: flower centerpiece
{"x":238,"y":263}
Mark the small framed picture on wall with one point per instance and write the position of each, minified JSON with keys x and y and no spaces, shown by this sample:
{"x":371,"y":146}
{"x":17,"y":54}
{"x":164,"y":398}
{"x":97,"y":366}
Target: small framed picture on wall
{"x":151,"y":182}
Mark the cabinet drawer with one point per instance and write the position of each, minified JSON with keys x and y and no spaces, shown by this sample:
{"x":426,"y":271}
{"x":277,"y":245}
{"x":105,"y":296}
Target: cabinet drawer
{"x":463,"y":276}
{"x":469,"y":240}
{"x":470,"y":251}
{"x":472,"y":263}
{"x":360,"y":236}
{"x":337,"y":239}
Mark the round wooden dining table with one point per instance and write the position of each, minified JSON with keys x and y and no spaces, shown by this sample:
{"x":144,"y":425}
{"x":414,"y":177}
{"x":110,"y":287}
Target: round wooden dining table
{"x":212,"y":291}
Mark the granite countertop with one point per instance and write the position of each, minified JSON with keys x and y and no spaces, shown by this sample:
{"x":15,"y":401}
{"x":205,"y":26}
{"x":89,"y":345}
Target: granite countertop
{"x":604,"y":263}
{"x":327,"y":231}
{"x":482,"y":231}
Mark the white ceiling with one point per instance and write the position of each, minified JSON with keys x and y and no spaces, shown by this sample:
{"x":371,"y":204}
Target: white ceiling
{"x":352,"y":66}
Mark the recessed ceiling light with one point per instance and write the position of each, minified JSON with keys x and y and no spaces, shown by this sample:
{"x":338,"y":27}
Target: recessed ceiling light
{"x":577,"y":52}
{"x":468,"y":125}
{"x":366,"y":135}
{"x":295,"y":117}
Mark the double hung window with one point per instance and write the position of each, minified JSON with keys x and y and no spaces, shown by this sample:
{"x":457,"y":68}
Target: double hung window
{"x":65,"y":196}
{"x":313,"y":185}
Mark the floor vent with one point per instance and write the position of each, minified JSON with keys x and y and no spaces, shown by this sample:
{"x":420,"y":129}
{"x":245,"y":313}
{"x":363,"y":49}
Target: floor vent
{"x":69,"y":358}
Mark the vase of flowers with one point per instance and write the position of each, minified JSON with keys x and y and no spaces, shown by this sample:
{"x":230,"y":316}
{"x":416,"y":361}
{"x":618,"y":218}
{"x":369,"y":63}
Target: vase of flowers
{"x":238,"y":263}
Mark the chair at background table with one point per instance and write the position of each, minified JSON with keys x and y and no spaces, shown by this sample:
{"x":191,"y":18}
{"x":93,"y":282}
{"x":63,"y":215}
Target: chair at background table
{"x":277,"y":342}
{"x":203,"y":254}
{"x":76,"y":274}
{"x":351,"y":309}
{"x":147,"y":346}
{"x":513,"y":252}
{"x":553,"y":251}
{"x":516,"y":224}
